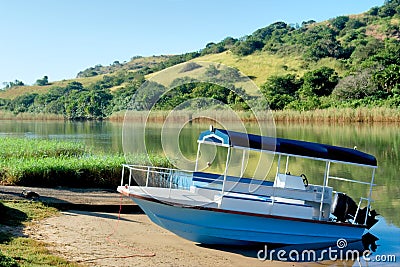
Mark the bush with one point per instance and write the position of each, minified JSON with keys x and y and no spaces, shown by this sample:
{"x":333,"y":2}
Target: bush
{"x":6,"y":261}
{"x":355,"y":86}
{"x":319,"y":82}
{"x":247,"y":47}
{"x":340,"y":22}
{"x":280,"y":90}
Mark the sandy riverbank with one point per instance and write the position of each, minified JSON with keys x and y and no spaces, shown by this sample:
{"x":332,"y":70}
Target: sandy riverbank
{"x":100,"y":239}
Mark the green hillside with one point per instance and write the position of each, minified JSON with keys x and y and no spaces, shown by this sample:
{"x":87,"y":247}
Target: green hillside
{"x":260,"y":65}
{"x":345,"y":62}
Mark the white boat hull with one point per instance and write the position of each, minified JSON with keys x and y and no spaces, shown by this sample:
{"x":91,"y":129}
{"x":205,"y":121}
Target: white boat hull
{"x":216,"y":226}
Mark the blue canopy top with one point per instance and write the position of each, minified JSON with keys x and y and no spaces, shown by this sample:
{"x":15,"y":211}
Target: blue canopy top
{"x":286,"y":146}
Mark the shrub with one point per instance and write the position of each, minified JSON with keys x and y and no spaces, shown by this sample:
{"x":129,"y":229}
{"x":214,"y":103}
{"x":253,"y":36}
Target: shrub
{"x":355,"y":86}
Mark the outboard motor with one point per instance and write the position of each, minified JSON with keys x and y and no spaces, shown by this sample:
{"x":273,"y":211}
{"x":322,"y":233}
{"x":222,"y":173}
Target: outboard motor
{"x":344,"y":208}
{"x":371,"y":220}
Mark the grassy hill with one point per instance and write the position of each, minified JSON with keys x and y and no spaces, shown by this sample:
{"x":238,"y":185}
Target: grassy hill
{"x":347,"y":61}
{"x":260,"y":65}
{"x":89,"y":76}
{"x":16,"y":91}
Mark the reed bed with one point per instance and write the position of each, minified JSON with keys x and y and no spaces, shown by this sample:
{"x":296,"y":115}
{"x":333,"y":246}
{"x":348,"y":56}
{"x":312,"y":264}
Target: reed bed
{"x":11,"y":147}
{"x":362,"y":114}
{"x":8,"y":115}
{"x":48,"y":163}
{"x":93,"y":171}
{"x":366,"y":115}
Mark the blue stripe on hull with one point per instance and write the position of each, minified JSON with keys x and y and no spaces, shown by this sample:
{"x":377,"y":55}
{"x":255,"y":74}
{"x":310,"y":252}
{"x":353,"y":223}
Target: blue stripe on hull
{"x":211,"y":227}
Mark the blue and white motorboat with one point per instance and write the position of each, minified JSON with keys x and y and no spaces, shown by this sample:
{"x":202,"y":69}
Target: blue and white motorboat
{"x":221,"y":208}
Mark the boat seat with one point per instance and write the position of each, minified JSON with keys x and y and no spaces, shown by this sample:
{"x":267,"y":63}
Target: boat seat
{"x":289,"y":181}
{"x":219,"y":179}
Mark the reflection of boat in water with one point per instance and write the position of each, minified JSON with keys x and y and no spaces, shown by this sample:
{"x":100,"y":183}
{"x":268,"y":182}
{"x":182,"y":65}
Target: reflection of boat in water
{"x":214,"y":208}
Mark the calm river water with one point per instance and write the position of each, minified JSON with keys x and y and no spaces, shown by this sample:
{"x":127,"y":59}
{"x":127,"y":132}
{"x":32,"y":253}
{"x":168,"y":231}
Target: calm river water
{"x":380,"y":140}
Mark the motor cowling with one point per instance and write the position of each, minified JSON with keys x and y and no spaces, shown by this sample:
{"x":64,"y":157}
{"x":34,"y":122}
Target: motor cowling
{"x":344,"y":208}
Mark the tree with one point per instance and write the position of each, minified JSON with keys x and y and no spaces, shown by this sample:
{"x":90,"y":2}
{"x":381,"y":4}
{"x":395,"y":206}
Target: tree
{"x":22,"y":103}
{"x":374,"y":11}
{"x":354,"y":24}
{"x":148,"y":95}
{"x":320,"y":82}
{"x":389,"y":8}
{"x":74,"y":86}
{"x":356,"y":86}
{"x":388,"y":78}
{"x":87,"y":105}
{"x":42,"y":82}
{"x":325,"y":48}
{"x":364,"y":51}
{"x":280,"y":90}
{"x":389,"y":55}
{"x":306,"y":23}
{"x":212,"y":48}
{"x":15,"y":83}
{"x":247,"y":47}
{"x":228,"y":42}
{"x":340,"y":22}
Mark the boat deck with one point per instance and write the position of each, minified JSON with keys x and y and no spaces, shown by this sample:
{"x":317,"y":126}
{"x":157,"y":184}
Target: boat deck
{"x":173,"y":196}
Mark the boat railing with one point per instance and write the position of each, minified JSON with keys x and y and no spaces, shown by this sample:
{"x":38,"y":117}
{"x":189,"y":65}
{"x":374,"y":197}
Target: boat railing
{"x":150,"y":176}
{"x":368,"y":199}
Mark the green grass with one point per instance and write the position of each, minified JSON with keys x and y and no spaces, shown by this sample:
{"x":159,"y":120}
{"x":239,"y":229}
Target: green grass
{"x":39,"y":148}
{"x":15,"y":213}
{"x":29,"y":252}
{"x":7,"y":261}
{"x":13,"y":92}
{"x":258,"y":66}
{"x":23,"y":251}
{"x":49,"y":163}
{"x":261,"y":65}
{"x":133,"y":65}
{"x":83,"y":171}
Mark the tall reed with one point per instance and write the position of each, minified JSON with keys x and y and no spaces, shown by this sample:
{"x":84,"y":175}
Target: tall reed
{"x":362,"y":114}
{"x":49,"y":163}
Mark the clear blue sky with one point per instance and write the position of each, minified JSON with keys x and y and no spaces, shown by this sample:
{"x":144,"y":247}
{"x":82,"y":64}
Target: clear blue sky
{"x":59,"y":38}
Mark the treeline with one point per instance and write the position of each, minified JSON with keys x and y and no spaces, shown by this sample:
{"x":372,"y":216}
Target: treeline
{"x":376,"y":82}
{"x":219,"y":88}
{"x":351,"y":38}
{"x":366,"y":46}
{"x":76,"y":102}
{"x":148,"y":66}
{"x":97,"y":101}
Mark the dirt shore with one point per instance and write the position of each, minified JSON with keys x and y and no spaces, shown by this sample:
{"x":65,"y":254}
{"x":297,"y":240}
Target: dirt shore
{"x":100,"y":238}
{"x":69,"y":197}
{"x":103,"y":239}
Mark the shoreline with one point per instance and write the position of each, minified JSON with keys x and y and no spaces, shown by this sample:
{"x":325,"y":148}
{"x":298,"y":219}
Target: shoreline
{"x":341,"y":115}
{"x":133,"y":240}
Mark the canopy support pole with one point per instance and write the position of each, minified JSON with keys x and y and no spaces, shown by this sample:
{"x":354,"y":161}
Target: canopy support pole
{"x":277,"y":168}
{"x":242,"y":168}
{"x":197,"y":157}
{"x":326,"y":177}
{"x":226,"y":169}
{"x":287,"y":164}
{"x":369,"y":196}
